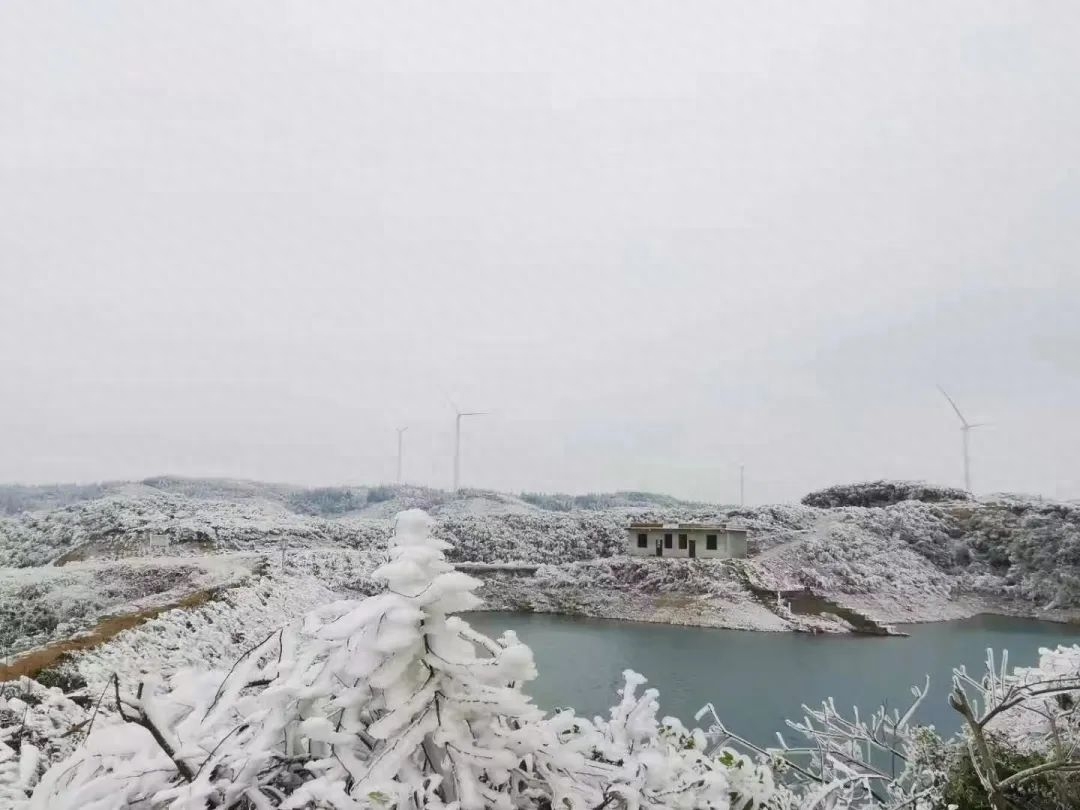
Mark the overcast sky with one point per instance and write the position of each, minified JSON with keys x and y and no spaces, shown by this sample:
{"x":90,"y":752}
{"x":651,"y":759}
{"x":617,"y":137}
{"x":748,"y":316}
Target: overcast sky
{"x":655,"y":240}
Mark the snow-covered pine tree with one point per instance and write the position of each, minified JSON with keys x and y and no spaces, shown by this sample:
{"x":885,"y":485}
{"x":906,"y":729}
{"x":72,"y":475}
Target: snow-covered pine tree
{"x":389,"y":702}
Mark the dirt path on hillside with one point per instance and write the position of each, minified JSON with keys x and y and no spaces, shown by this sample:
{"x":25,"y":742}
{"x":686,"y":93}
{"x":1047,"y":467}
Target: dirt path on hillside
{"x":33,"y":663}
{"x":820,"y":528}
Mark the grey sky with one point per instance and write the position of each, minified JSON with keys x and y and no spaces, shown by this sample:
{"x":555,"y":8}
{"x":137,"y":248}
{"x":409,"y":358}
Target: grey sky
{"x":656,"y":240}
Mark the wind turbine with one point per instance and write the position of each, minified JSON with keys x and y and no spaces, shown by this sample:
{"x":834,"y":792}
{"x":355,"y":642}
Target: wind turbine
{"x":400,"y":433}
{"x":965,"y":428}
{"x":457,"y":441}
{"x":742,"y":484}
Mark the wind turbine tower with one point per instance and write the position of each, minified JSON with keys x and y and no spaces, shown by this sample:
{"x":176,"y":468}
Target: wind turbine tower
{"x":965,"y":428}
{"x":457,"y":442}
{"x":742,"y":484}
{"x":400,"y":434}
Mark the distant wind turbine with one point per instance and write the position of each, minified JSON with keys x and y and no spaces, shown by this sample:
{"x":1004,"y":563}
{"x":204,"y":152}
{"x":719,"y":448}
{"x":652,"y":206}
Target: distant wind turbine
{"x":965,"y":428}
{"x":457,"y":441}
{"x":400,"y":433}
{"x":742,"y":484}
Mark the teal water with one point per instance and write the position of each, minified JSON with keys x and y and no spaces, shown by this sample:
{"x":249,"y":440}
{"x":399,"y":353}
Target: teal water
{"x":755,"y":680}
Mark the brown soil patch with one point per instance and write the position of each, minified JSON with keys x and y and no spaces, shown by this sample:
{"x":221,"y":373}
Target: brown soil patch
{"x":38,"y":660}
{"x":77,"y":554}
{"x":675,"y":601}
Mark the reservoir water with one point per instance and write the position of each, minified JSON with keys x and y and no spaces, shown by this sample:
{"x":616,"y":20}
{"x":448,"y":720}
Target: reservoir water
{"x":754,"y":679}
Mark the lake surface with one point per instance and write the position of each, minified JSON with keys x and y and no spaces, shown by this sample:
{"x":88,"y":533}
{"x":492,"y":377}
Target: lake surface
{"x":755,"y":680}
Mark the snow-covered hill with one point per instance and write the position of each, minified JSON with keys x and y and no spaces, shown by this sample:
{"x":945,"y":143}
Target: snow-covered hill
{"x":185,"y":517}
{"x":138,"y":520}
{"x":910,"y":559}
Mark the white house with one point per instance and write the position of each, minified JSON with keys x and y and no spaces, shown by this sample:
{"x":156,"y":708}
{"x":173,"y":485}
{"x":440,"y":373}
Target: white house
{"x":685,"y":540}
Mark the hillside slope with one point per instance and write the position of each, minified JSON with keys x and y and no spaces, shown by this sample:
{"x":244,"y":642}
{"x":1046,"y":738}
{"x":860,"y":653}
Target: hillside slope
{"x":905,"y":560}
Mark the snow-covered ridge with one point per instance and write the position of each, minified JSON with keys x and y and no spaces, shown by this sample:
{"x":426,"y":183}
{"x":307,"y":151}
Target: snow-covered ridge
{"x":372,"y":501}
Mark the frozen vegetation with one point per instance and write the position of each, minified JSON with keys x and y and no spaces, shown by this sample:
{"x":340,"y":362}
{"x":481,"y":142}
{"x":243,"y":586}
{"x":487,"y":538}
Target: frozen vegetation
{"x":910,"y":556}
{"x":883,"y":493}
{"x":280,"y":694}
{"x":40,"y":606}
{"x":209,"y":635}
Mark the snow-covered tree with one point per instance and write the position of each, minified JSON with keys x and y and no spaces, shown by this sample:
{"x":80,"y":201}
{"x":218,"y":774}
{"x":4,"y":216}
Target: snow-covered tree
{"x":389,"y":702}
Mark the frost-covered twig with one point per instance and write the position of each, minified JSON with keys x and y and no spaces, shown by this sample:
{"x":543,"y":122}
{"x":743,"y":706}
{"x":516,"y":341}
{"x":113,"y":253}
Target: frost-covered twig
{"x":141,"y":718}
{"x":842,"y":765}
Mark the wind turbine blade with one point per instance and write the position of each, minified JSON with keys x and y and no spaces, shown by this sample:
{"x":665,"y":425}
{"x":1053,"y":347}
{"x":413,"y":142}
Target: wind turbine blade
{"x":979,"y":424}
{"x":446,"y":396}
{"x":473,"y":413}
{"x":946,"y":395}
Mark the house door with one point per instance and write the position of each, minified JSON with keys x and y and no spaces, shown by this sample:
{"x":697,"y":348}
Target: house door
{"x":659,"y":548}
{"x":693,"y":548}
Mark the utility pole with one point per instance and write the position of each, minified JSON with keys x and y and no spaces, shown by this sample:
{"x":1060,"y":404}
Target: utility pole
{"x":457,"y":444}
{"x":400,"y":433}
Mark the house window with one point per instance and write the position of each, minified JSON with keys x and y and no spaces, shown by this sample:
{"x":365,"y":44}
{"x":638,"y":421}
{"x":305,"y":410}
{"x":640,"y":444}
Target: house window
{"x":710,"y":542}
{"x":667,"y":541}
{"x":682,"y":541}
{"x":643,"y":541}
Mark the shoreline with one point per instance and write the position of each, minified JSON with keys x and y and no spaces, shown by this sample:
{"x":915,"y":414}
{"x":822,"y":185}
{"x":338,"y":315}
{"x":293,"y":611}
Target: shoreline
{"x":833,"y":613}
{"x":485,"y":608}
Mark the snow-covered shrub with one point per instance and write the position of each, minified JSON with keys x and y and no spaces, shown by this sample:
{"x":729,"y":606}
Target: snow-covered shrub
{"x":327,"y":501}
{"x":549,"y":537}
{"x":882,"y":493}
{"x":212,"y":634}
{"x":1020,"y":747}
{"x":855,"y":762}
{"x":1049,"y":790}
{"x":36,"y":725}
{"x":391,"y":701}
{"x":1021,"y":730}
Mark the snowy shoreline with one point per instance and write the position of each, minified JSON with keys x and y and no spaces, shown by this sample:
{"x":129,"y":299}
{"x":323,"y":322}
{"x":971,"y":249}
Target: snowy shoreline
{"x":741,"y":611}
{"x":897,"y":619}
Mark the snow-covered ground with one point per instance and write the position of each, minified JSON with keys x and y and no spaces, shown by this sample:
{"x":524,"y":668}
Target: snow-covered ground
{"x":41,"y":726}
{"x":96,"y":550}
{"x":265,"y":554}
